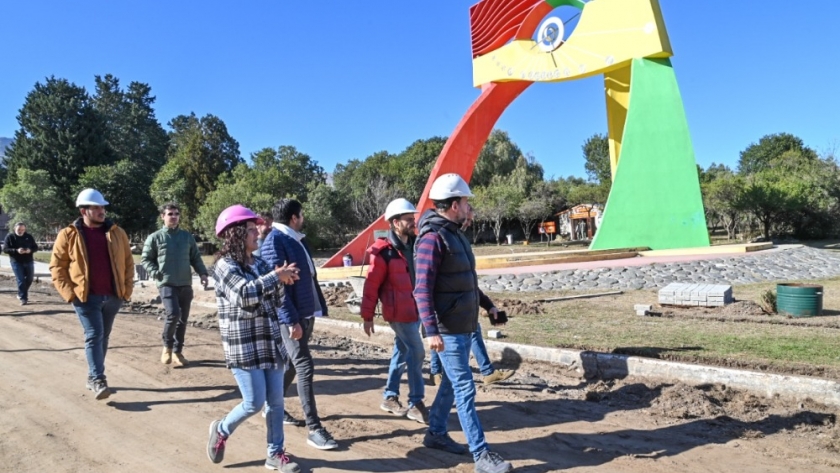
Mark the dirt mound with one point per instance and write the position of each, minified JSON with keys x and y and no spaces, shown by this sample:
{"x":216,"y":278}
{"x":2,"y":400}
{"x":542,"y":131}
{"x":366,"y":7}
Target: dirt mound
{"x":741,"y":309}
{"x":515,"y":307}
{"x":681,"y":401}
{"x":335,"y":296}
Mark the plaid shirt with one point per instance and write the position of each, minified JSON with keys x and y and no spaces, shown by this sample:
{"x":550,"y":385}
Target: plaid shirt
{"x":248,"y":314}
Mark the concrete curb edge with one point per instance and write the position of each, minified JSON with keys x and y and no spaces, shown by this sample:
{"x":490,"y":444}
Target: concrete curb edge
{"x":612,"y":366}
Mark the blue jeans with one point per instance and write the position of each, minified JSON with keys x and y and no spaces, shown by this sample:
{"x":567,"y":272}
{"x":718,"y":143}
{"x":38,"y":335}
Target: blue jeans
{"x":97,"y":317}
{"x":479,"y":351}
{"x":258,"y":388}
{"x":409,"y":353}
{"x":457,"y":386}
{"x":25,"y":274}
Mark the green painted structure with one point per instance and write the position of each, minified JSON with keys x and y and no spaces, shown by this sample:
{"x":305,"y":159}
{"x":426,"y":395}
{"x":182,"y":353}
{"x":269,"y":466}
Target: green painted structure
{"x":655,"y":199}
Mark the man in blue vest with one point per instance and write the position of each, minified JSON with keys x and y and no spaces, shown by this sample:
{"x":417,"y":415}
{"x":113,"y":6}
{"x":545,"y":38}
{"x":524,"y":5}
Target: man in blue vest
{"x":448,"y":299}
{"x":303,"y":302}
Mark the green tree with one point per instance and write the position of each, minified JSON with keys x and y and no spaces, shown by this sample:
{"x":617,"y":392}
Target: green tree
{"x":496,"y":203}
{"x":286,"y":172}
{"x":414,"y":165}
{"x":169,"y":185}
{"x":131,"y":129}
{"x":498,"y":157}
{"x":781,"y":189}
{"x":201,"y":151}
{"x":234,"y":189}
{"x":29,"y":198}
{"x":596,"y":152}
{"x":61,"y":133}
{"x":328,"y":224}
{"x":124,"y":186}
{"x":721,"y":197}
{"x":758,"y":156}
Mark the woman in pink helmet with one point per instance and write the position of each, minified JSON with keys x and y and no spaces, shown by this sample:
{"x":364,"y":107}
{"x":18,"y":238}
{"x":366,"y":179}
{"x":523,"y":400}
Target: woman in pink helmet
{"x":248,"y":293}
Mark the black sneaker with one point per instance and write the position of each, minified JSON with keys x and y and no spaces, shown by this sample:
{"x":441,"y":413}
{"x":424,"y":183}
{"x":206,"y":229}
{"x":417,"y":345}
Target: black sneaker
{"x":443,"y":442}
{"x":281,"y":462}
{"x":216,"y":443}
{"x":100,"y":388}
{"x":24,"y":302}
{"x":321,"y":439}
{"x":288,"y":419}
{"x":491,"y":462}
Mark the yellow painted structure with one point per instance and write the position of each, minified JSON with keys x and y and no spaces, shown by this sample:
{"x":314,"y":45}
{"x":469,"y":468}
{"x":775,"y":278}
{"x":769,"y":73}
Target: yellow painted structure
{"x":608,"y":36}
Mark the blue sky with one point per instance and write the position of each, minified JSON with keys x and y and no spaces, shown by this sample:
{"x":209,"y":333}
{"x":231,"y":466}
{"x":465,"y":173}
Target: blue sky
{"x":342,"y":80}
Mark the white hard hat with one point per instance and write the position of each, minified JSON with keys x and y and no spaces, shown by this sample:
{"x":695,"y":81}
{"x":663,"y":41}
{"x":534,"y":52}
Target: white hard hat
{"x":449,"y":185}
{"x":90,"y":197}
{"x":398,"y":207}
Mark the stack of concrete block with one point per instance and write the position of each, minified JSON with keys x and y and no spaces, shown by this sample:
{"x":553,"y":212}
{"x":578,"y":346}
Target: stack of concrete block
{"x":705,"y":295}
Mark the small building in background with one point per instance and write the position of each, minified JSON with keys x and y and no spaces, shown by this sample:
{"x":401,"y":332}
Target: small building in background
{"x":580,"y":222}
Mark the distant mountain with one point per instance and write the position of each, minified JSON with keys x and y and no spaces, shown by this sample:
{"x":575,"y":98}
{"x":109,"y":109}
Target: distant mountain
{"x":4,"y":143}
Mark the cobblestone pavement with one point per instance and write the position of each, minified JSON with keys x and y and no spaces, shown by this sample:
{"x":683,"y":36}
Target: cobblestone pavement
{"x":793,"y":264}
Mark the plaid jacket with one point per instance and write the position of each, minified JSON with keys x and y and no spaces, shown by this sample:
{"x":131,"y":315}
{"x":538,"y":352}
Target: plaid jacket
{"x":248,"y":322}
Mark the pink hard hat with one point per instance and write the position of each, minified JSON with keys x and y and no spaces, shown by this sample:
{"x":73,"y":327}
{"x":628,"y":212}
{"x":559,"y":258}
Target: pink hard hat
{"x":233,"y":215}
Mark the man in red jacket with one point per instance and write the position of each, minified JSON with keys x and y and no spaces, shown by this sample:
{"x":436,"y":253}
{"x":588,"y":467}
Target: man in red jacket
{"x":390,"y":279}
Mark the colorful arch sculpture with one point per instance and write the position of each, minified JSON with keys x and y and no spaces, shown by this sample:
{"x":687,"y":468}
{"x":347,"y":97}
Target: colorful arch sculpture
{"x":655,"y":199}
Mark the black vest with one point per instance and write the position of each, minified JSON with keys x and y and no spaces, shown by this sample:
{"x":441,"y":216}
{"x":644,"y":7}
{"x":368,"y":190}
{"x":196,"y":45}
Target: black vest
{"x":456,"y":284}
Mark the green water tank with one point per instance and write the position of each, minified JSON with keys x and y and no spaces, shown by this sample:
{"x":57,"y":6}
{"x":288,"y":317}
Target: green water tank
{"x":799,"y":300}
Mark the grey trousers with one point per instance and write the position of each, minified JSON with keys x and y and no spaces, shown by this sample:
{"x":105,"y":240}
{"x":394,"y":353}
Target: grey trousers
{"x":302,"y":365}
{"x":176,"y":302}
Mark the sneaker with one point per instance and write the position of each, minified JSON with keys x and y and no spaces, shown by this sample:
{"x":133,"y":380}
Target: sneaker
{"x":288,"y":419}
{"x":100,"y":388}
{"x":179,"y":360}
{"x":281,"y":462}
{"x":492,"y":462}
{"x":166,"y":356}
{"x":321,"y":439}
{"x":498,"y":375}
{"x":24,"y":302}
{"x":392,"y":404}
{"x":216,"y":443}
{"x":418,"y":412}
{"x":443,"y":442}
{"x":435,"y":379}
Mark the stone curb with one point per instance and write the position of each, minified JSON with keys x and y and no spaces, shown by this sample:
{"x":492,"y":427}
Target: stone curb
{"x":611,"y":366}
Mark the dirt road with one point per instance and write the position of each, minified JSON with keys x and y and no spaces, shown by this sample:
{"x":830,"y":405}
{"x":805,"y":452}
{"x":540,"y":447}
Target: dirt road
{"x":543,"y":420}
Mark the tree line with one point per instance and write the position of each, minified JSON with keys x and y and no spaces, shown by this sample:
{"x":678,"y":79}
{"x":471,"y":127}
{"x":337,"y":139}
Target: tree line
{"x":111,"y":140}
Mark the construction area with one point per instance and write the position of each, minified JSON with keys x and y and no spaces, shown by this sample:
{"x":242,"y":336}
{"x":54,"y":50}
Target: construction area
{"x":588,"y":394}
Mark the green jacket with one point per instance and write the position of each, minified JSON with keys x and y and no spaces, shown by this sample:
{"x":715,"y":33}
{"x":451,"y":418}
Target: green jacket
{"x":168,"y":255}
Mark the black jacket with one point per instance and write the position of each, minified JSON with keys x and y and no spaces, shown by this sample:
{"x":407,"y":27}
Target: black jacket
{"x":13,"y":242}
{"x":456,"y":293}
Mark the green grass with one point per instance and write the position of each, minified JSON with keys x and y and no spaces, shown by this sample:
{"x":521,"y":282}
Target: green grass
{"x":609,"y":324}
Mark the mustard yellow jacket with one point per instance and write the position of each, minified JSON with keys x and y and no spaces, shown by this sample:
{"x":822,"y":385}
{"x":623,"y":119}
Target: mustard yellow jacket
{"x":69,"y":262}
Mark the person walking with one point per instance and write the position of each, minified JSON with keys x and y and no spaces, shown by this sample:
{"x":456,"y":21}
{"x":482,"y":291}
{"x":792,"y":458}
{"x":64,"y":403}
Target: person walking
{"x":20,"y":246}
{"x":167,"y":256}
{"x":92,"y":268}
{"x":390,"y":279}
{"x":489,"y":373}
{"x":248,"y":294}
{"x":303,"y":303}
{"x":264,"y":229}
{"x":448,"y":299}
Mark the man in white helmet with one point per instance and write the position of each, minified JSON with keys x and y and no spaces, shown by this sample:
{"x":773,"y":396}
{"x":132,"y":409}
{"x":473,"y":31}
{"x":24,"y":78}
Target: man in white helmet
{"x":92,"y":268}
{"x":448,"y":300}
{"x":390,"y":279}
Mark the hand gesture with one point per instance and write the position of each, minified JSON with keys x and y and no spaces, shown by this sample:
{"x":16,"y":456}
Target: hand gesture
{"x":369,"y":327}
{"x":296,"y":332}
{"x":435,"y":343}
{"x":288,"y":273}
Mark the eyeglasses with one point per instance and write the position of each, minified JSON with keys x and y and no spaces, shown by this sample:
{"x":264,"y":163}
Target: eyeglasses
{"x":173,"y":214}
